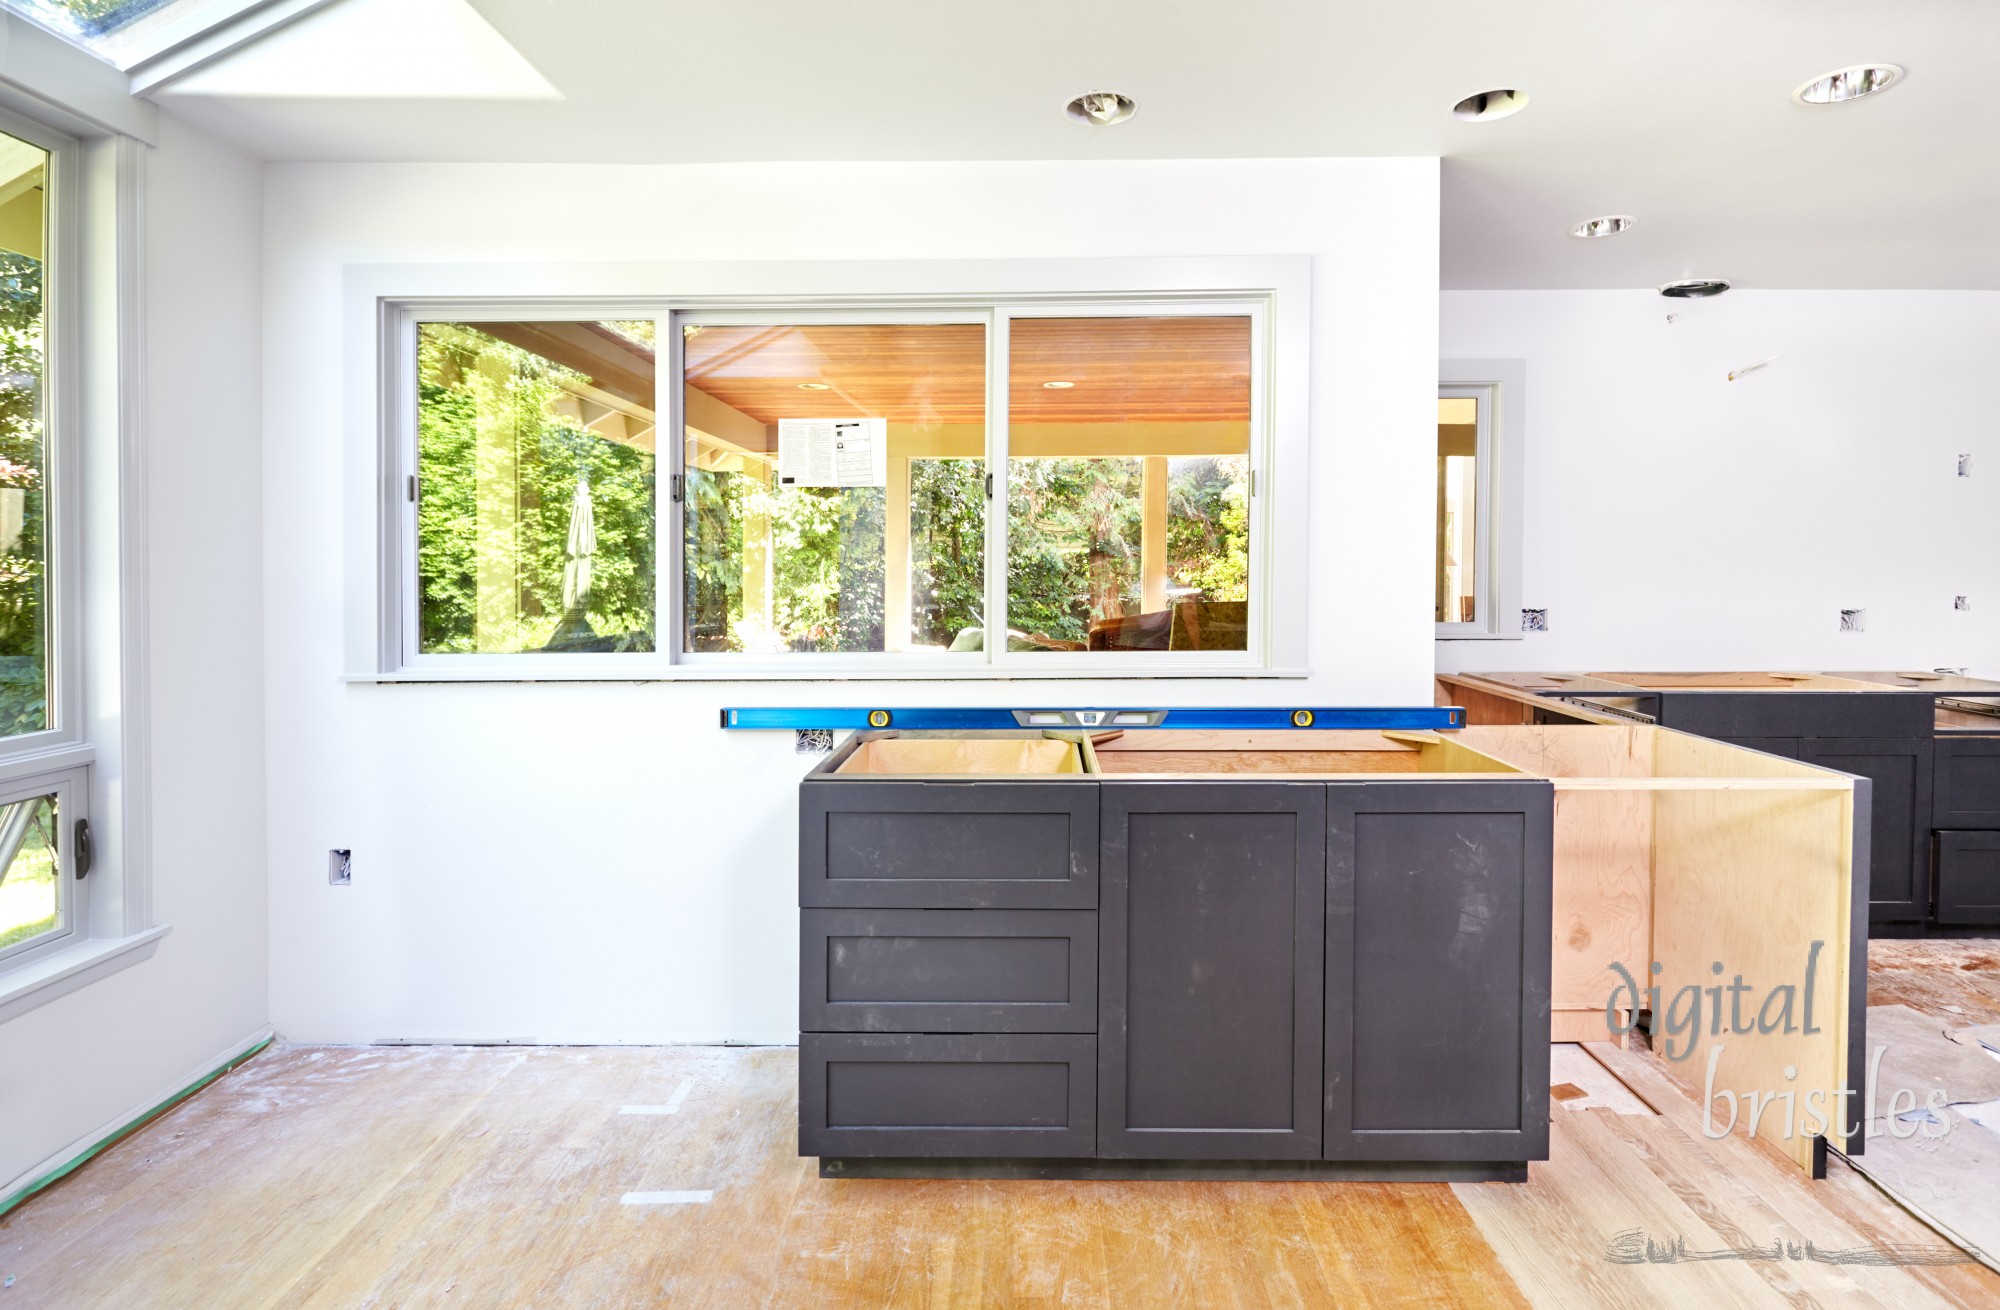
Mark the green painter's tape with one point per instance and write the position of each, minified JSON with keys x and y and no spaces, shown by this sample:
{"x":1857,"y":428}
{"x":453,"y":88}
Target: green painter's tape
{"x":58,"y":1174}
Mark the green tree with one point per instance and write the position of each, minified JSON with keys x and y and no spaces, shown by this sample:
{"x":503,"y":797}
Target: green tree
{"x":23,"y":636}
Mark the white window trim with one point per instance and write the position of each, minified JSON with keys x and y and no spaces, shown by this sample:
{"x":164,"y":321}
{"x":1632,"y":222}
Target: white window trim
{"x":1502,"y":386}
{"x":98,"y":594}
{"x":384,"y":303}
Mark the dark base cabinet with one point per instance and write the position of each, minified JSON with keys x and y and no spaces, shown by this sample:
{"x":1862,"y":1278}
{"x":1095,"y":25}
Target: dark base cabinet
{"x":1900,"y":831}
{"x":1241,"y":977}
{"x":1968,"y":878}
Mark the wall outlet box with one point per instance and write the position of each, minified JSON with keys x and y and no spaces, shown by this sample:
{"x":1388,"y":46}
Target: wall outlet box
{"x":340,"y":868}
{"x":1961,"y":602}
{"x":1854,"y":620}
{"x":1534,"y":620}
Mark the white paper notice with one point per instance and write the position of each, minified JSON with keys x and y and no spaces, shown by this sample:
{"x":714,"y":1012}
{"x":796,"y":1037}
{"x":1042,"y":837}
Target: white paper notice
{"x":833,"y":452}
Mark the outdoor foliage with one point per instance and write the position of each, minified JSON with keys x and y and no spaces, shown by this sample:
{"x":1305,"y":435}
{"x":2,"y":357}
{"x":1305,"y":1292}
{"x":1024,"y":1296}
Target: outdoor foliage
{"x":504,"y":503}
{"x":23,"y":637}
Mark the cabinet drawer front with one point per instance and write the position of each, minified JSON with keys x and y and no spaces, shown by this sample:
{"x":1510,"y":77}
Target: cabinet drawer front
{"x":1438,"y":898}
{"x":1966,"y":790}
{"x":925,"y":845}
{"x":948,"y":971}
{"x":1009,"y":1094}
{"x":1968,"y":886}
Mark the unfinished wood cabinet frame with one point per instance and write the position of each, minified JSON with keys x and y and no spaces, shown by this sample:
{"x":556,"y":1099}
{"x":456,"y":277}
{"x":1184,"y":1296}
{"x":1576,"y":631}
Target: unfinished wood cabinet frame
{"x":1688,"y":852}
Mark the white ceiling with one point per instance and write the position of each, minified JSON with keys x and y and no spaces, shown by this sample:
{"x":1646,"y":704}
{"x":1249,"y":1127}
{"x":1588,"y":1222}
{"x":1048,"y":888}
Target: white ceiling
{"x":1678,"y":112}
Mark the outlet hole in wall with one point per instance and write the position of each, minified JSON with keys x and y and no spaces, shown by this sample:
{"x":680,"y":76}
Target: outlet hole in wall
{"x":1534,"y":620}
{"x":340,"y":868}
{"x":813,"y":741}
{"x":1961,"y":602}
{"x":1854,"y":620}
{"x":1965,"y":466}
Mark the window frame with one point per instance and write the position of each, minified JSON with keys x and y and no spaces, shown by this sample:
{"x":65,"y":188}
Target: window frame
{"x":1275,"y":300}
{"x":1501,"y":387}
{"x":64,"y":740}
{"x":71,"y":788}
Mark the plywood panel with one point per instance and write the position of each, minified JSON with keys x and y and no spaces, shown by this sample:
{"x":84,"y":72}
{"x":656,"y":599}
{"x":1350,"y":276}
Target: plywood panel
{"x":1743,"y":883}
{"x":963,"y":755}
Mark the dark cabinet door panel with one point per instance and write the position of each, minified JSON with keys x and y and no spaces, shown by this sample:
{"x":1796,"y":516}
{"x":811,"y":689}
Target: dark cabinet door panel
{"x":1211,"y":941}
{"x":1968,"y":889}
{"x":1967,"y":783}
{"x":1899,"y":817}
{"x":940,"y":845}
{"x":948,"y":971}
{"x":1729,"y":714}
{"x":1438,"y":970}
{"x":1005,"y":1094}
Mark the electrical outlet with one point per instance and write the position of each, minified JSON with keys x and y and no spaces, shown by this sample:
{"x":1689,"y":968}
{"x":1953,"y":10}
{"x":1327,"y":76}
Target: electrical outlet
{"x":340,"y":868}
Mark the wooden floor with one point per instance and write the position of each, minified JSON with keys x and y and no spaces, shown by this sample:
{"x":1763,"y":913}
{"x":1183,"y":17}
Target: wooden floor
{"x":498,"y":1177}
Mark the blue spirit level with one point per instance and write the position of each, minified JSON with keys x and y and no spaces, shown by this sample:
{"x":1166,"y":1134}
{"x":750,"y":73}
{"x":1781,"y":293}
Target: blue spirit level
{"x":923,"y":719}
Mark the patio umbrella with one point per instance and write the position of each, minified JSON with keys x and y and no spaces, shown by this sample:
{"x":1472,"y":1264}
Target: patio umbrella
{"x":575,"y":632}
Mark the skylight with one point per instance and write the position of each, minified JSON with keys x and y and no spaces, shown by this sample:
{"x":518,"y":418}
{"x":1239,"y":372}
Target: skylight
{"x":125,"y":32}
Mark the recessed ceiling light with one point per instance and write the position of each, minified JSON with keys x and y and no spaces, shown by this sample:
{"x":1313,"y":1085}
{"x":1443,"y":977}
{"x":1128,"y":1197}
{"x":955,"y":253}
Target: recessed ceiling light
{"x":1694,"y":288}
{"x":1608,"y":226}
{"x":1058,"y":386}
{"x":815,"y":386}
{"x":1103,"y":108}
{"x":1485,"y":106}
{"x":1848,"y":84}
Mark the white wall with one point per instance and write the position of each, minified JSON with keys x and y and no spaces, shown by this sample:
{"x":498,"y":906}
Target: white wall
{"x":1677,"y":520}
{"x":566,"y":862}
{"x":122,"y":1043}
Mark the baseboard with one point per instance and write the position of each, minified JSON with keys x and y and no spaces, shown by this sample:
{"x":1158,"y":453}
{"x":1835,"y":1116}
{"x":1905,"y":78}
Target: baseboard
{"x":79,"y":1152}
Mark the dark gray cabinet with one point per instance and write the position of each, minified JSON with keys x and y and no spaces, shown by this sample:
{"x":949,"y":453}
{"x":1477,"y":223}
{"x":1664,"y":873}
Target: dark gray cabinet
{"x":1437,"y":969}
{"x":948,"y":845}
{"x":1900,"y":817}
{"x":1968,"y":878}
{"x":1211,"y":938}
{"x":1786,"y":746}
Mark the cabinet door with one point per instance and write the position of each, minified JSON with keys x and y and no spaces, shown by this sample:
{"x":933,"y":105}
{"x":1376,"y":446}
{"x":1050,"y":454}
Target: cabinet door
{"x":1967,"y":783}
{"x":1968,"y":878}
{"x":1211,"y":950}
{"x":1899,"y":818}
{"x":1437,"y":967}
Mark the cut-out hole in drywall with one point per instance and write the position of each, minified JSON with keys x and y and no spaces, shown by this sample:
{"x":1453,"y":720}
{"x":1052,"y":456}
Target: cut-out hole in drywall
{"x":812,"y":741}
{"x":1961,"y":602}
{"x":1965,"y":466}
{"x":1854,"y":620}
{"x":1534,"y":620}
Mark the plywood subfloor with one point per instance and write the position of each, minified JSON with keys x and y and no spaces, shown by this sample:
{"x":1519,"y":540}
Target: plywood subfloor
{"x":494,"y":1178}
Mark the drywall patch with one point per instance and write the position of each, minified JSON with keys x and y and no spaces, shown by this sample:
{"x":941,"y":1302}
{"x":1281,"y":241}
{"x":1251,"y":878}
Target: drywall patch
{"x":1854,"y":620}
{"x":813,"y":741}
{"x":1534,"y":620}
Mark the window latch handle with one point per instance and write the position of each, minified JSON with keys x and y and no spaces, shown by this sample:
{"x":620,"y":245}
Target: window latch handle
{"x":675,"y":487}
{"x":85,"y":852}
{"x":989,"y":486}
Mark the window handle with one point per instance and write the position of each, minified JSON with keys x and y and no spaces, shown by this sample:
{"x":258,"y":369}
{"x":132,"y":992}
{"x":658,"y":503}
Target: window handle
{"x":675,"y":487}
{"x":989,"y":486}
{"x":85,"y":852}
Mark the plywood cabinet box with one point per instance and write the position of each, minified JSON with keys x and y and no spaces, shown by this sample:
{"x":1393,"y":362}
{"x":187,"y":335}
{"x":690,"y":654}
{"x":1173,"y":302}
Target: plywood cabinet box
{"x":1928,"y":742}
{"x":1165,"y":954}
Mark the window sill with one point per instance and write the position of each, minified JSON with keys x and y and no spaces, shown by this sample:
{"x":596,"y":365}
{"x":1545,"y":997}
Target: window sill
{"x":40,"y":981}
{"x":985,"y":673}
